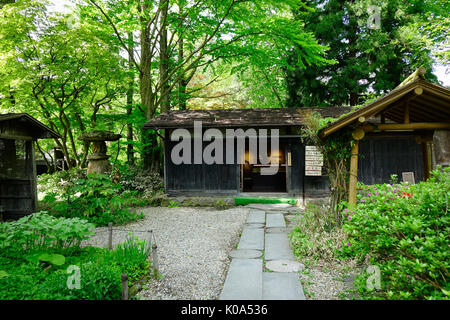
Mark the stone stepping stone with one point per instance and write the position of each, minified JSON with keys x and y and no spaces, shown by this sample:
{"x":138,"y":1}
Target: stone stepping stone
{"x":244,"y":280}
{"x":256,"y":216}
{"x":275,"y":220}
{"x":276,"y":230}
{"x":284,"y":266}
{"x":277,"y":247}
{"x":282,"y":286}
{"x":270,"y":206}
{"x":245,"y":254}
{"x":254,"y":225}
{"x":252,"y":239}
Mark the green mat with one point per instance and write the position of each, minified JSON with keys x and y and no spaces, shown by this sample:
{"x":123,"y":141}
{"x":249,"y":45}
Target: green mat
{"x":240,"y":201}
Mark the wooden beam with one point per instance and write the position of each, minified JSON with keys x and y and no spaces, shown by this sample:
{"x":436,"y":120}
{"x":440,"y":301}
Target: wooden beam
{"x":353,"y":175}
{"x":407,"y":126}
{"x":15,"y":137}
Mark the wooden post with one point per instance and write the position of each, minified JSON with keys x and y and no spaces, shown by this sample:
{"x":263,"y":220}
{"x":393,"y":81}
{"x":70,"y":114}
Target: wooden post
{"x":110,"y":231}
{"x":353,"y":175}
{"x":149,"y":237}
{"x":124,"y":286}
{"x":155,"y":259}
{"x":33,"y":175}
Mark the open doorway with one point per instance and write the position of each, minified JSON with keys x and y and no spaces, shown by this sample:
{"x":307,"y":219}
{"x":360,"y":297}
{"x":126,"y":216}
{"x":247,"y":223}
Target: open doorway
{"x":253,"y":181}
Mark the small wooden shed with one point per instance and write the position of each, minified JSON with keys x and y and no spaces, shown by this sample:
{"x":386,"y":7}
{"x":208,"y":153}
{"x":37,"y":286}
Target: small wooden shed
{"x":292,"y":177}
{"x":405,"y":131}
{"x":18,"y":190}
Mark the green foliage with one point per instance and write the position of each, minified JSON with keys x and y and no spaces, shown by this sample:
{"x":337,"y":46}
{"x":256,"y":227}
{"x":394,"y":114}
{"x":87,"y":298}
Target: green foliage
{"x":37,"y":275}
{"x":315,"y":235}
{"x":369,"y":60}
{"x":405,"y":231}
{"x":132,"y":258}
{"x":95,"y":198}
{"x":41,"y":231}
{"x":173,"y":204}
{"x":63,"y":73}
{"x":336,"y":151}
{"x":141,"y":181}
{"x":31,"y":281}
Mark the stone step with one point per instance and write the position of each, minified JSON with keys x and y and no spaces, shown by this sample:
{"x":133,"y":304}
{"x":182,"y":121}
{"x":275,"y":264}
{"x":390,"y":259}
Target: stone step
{"x":275,"y":220}
{"x":256,"y":216}
{"x":277,"y":247}
{"x":244,"y":280}
{"x":252,"y":239}
{"x":282,"y":286}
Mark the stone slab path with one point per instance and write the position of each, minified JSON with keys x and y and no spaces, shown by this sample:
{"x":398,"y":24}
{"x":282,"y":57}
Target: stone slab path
{"x":273,"y":273}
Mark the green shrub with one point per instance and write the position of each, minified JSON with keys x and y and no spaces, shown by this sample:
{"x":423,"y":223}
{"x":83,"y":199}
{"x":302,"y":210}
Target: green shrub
{"x":132,"y":258}
{"x":42,"y":231}
{"x":32,"y":282}
{"x":24,"y":275}
{"x":95,"y":198}
{"x":405,"y":231}
{"x":144,"y":182}
{"x":315,"y":235}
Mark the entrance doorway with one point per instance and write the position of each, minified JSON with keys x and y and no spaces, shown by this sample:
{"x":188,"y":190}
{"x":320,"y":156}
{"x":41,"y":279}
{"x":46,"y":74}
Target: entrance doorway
{"x":253,"y":181}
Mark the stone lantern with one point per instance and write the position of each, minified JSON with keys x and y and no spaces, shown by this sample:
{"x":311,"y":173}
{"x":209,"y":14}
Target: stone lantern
{"x":98,"y":159}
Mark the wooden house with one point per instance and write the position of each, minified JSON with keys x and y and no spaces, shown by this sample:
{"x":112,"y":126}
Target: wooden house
{"x":238,"y":179}
{"x":405,"y":132}
{"x":18,"y":191}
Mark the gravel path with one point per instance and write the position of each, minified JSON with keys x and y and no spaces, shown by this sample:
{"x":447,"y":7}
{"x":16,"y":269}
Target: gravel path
{"x":193,"y":246}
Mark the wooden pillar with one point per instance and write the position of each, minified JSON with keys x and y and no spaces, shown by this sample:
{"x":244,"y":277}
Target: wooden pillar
{"x":426,"y":161}
{"x":353,"y":175}
{"x":33,"y":174}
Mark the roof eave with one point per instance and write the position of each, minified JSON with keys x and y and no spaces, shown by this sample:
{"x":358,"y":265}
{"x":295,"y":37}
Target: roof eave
{"x":377,"y":105}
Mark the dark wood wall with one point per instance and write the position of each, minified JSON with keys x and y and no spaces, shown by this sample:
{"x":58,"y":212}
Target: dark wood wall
{"x":199,"y":178}
{"x":298,"y":183}
{"x":382,"y":156}
{"x":18,"y":193}
{"x":379,"y":158}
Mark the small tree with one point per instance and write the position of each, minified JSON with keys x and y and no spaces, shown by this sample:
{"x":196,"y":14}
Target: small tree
{"x":336,"y":150}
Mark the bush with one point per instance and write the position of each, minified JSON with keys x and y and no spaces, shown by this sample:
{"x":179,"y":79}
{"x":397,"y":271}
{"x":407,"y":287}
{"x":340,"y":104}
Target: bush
{"x":34,"y":281}
{"x":404,"y":230}
{"x":95,"y":198}
{"x":132,"y":258}
{"x":144,"y":182}
{"x":41,"y":231}
{"x":23,"y":275}
{"x":315,"y":235}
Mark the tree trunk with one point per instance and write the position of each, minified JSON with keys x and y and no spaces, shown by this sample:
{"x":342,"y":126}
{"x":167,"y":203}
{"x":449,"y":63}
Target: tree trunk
{"x":164,"y":58}
{"x":130,"y":92}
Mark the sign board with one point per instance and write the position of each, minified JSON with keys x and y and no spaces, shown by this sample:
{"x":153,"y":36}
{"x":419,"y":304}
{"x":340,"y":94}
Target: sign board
{"x":408,"y":177}
{"x":313,"y":173}
{"x":313,"y":168}
{"x":313,"y":158}
{"x":313,"y":161}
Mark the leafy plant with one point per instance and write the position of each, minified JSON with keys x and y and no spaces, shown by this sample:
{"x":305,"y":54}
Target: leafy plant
{"x":132,"y":257}
{"x":173,"y":204}
{"x":405,"y":231}
{"x":95,"y":198}
{"x":42,"y":231}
